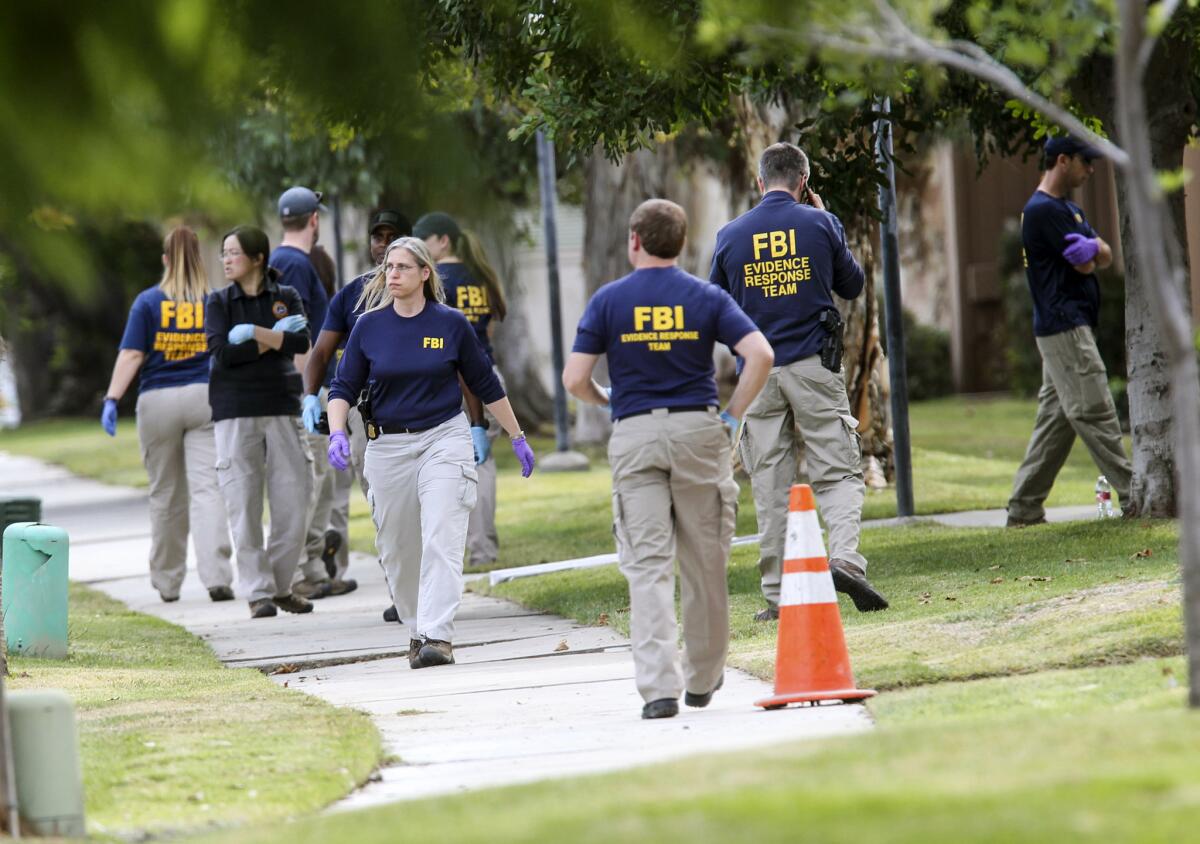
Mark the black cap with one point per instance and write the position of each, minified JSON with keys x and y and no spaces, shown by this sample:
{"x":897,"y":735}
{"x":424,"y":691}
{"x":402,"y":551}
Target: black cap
{"x":297,"y":201}
{"x":394,"y":219}
{"x":436,"y":222}
{"x":1068,"y":145}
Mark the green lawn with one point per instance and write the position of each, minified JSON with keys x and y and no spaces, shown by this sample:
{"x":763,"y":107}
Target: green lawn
{"x":172,"y":741}
{"x":1015,"y":708}
{"x":965,"y":453}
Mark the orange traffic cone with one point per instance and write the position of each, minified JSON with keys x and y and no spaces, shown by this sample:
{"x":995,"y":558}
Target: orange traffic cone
{"x":811,"y":662}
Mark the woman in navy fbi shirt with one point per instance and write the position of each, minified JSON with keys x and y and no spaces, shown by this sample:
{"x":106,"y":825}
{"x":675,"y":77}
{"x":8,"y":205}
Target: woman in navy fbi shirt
{"x":164,"y":340}
{"x":413,"y":350}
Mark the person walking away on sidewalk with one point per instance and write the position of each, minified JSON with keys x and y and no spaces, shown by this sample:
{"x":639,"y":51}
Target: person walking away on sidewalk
{"x":164,"y":347}
{"x":674,"y":496}
{"x":255,"y":327}
{"x":300,"y":216}
{"x":1062,"y":253}
{"x":413,"y":349}
{"x":782,"y":261}
{"x":344,"y":310}
{"x":472,"y":286}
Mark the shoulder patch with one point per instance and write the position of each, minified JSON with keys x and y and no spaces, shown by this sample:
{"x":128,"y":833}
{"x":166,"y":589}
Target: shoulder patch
{"x":279,"y":309}
{"x":1078,"y":217}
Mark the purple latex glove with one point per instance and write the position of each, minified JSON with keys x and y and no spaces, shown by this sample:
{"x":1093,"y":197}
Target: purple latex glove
{"x":524,"y":455}
{"x":339,"y":450}
{"x":1080,"y":249}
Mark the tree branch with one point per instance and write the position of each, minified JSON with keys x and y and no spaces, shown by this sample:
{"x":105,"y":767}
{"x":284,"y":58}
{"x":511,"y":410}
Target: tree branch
{"x":896,"y":42}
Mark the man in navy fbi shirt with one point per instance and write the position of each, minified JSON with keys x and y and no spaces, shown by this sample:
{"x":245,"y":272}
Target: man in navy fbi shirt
{"x":673,"y":488}
{"x":782,"y":261}
{"x":1062,"y":252}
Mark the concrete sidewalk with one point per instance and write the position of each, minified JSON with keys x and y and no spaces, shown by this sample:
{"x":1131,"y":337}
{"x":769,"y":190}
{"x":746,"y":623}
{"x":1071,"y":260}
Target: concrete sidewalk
{"x":533,"y":696}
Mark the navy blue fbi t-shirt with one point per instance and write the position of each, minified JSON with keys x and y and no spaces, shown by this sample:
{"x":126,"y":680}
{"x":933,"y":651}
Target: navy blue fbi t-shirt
{"x":171,"y":334}
{"x":342,"y":313}
{"x":469,"y":295}
{"x":658,"y":327}
{"x":781,"y":261}
{"x":1062,"y":298}
{"x":296,"y":270}
{"x":412,"y":365}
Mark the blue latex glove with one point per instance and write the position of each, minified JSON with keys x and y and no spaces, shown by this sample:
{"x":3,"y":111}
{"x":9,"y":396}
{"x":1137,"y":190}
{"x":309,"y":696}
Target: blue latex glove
{"x":731,"y":422}
{"x":339,"y":450}
{"x":483,"y":446}
{"x":1080,"y":249}
{"x":293,"y":323}
{"x":108,"y":417}
{"x":524,"y":455}
{"x":241,"y":333}
{"x":310,"y":412}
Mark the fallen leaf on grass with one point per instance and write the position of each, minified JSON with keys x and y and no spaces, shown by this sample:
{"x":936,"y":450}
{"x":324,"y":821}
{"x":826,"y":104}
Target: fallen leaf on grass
{"x":951,"y":598}
{"x":562,"y":646}
{"x":286,"y":668}
{"x":993,"y":568}
{"x":924,"y":597}
{"x":602,"y":618}
{"x":1080,"y":560}
{"x":1036,"y":578}
{"x":997,"y":580}
{"x":1145,"y":552}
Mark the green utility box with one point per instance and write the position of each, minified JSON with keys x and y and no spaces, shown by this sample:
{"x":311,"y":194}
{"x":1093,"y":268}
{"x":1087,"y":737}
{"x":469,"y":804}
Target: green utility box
{"x":35,"y":590}
{"x":45,"y":744}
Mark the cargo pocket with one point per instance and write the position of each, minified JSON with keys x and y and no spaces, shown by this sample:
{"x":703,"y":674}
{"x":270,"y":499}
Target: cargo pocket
{"x":618,"y":527}
{"x":729,"y":510}
{"x":853,"y":442}
{"x":224,"y":471}
{"x":468,"y":490}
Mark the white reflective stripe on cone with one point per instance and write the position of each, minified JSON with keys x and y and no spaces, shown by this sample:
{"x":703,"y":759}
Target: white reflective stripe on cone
{"x":807,"y":587}
{"x":803,"y":536}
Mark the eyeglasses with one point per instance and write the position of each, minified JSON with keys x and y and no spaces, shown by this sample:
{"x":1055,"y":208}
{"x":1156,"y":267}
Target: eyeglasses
{"x":398,"y":268}
{"x":232,"y":253}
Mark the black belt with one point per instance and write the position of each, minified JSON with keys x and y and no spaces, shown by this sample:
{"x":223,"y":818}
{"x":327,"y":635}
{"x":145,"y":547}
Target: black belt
{"x":393,"y":429}
{"x":687,"y":408}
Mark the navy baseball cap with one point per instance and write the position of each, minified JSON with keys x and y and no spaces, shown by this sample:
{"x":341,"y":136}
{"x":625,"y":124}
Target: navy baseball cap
{"x":388,"y":217}
{"x":436,"y":223}
{"x":1068,"y":145}
{"x":297,"y":201}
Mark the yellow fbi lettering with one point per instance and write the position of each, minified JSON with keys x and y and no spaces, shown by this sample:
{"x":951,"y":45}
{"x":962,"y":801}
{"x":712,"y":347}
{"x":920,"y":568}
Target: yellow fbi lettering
{"x":660,"y":317}
{"x":433,"y":343}
{"x":776,"y":244}
{"x":181,"y":314}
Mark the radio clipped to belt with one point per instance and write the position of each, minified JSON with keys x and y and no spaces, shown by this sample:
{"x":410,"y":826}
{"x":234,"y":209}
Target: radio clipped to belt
{"x":364,"y":409}
{"x":831,"y":346}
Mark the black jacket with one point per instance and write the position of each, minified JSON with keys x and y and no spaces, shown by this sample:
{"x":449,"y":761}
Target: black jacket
{"x":245,"y":382}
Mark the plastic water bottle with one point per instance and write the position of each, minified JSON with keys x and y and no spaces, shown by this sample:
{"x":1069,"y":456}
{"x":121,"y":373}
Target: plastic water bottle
{"x":1104,"y":507}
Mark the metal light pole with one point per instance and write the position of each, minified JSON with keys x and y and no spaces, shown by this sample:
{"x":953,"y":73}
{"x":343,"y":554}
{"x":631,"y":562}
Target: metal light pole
{"x":546,"y":180}
{"x":563,"y":459}
{"x":889,"y":247}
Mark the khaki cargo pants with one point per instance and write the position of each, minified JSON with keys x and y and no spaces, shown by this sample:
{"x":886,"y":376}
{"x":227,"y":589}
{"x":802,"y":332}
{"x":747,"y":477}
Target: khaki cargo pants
{"x":175,"y":429}
{"x":806,"y":395}
{"x":674,"y":497}
{"x":1074,"y":400}
{"x":251,"y":451}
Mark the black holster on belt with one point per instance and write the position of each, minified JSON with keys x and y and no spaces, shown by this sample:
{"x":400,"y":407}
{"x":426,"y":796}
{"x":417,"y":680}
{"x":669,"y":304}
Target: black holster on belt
{"x":831,"y":346}
{"x":364,"y":408}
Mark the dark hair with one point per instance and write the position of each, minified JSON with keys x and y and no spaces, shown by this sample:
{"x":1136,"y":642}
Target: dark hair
{"x":325,"y":268}
{"x":254,"y":242}
{"x":466,"y":247}
{"x":662,"y":227}
{"x":783,"y":164}
{"x":296,"y":222}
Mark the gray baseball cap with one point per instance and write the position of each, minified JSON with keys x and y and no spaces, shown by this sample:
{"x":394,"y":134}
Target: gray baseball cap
{"x":296,"y":201}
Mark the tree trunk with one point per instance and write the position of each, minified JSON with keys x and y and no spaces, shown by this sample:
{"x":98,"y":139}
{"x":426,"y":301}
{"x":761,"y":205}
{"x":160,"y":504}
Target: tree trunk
{"x":1165,"y":277}
{"x":1151,"y":411}
{"x":526,"y":390}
